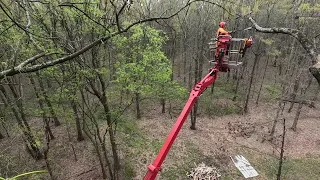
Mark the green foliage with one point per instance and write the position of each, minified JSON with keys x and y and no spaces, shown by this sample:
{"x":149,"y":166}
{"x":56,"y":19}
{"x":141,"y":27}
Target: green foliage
{"x":274,"y":91}
{"x":129,"y":172}
{"x":220,"y":102}
{"x":143,"y":67}
{"x":274,"y":52}
{"x":307,"y":7}
{"x":293,"y":169}
{"x":267,"y":41}
{"x":133,"y":136}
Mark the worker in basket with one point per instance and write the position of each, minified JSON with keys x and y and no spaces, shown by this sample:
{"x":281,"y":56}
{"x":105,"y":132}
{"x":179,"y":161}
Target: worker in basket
{"x":222,"y":31}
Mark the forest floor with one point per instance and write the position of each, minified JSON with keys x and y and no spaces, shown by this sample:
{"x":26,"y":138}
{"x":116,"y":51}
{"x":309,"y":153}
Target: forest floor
{"x":216,"y":139}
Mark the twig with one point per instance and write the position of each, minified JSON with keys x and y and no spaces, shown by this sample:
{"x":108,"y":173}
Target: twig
{"x":37,"y":67}
{"x":84,"y":13}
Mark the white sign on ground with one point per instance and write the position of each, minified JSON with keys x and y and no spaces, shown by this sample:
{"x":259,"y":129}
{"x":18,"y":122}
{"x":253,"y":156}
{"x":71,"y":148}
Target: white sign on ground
{"x":244,"y":166}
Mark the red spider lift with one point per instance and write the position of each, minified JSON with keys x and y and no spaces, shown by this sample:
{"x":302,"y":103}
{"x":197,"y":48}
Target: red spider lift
{"x":221,"y":64}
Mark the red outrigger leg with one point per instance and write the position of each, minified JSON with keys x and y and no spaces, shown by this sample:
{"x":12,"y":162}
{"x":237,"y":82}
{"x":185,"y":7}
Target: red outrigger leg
{"x":199,"y":88}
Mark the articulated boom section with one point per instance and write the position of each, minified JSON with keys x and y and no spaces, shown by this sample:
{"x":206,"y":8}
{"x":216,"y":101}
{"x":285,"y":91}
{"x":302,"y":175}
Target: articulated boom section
{"x":199,"y":88}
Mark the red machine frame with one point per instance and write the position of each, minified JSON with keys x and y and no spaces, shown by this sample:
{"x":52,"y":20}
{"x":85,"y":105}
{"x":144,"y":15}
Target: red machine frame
{"x":223,"y":43}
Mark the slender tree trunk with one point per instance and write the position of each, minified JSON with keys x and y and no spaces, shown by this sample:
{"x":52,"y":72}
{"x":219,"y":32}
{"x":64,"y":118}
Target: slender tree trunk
{"x":264,"y":74}
{"x":296,"y":118}
{"x":190,"y":83}
{"x":239,"y":77}
{"x":78,"y":124}
{"x":102,"y":142}
{"x":41,"y":105}
{"x":281,"y":106}
{"x":282,"y":150}
{"x":70,"y":141}
{"x":2,"y":119}
{"x":194,"y":116}
{"x":31,"y":144}
{"x":103,"y":169}
{"x":93,"y":138}
{"x":1,"y":136}
{"x":185,"y":71}
{"x":163,"y":105}
{"x":302,"y":94}
{"x":105,"y":154}
{"x":294,"y":93}
{"x":138,"y":105}
{"x":256,"y":59}
{"x":53,"y":114}
{"x":111,"y":131}
{"x":45,"y":96}
{"x":45,"y":153}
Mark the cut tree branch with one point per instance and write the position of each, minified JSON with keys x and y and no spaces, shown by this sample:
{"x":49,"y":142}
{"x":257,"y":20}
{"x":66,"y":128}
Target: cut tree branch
{"x":305,"y":102}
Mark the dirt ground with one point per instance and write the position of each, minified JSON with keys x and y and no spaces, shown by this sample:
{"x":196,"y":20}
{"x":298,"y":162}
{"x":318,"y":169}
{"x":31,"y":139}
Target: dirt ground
{"x":225,"y":134}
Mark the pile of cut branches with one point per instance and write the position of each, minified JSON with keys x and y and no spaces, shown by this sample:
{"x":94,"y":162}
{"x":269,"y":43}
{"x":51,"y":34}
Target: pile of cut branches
{"x":203,"y":172}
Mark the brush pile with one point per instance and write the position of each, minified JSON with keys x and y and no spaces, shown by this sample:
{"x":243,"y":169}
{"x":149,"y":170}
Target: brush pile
{"x":203,"y":172}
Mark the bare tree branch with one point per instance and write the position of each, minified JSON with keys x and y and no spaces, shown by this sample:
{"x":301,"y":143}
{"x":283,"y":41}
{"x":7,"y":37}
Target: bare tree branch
{"x":302,"y":38}
{"x":84,"y":13}
{"x":305,"y":102}
{"x":7,"y":29}
{"x":304,"y":41}
{"x":20,"y":26}
{"x":37,"y":67}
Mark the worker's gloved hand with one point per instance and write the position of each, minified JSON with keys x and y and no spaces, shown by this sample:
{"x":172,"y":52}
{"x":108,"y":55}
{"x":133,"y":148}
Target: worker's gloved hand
{"x":230,"y":32}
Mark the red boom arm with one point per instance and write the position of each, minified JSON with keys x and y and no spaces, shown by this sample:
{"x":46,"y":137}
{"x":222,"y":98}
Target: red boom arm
{"x":199,"y":88}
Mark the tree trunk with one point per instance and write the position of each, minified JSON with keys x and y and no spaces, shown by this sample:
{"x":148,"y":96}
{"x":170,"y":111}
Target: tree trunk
{"x":45,"y":153}
{"x":41,"y":105}
{"x":1,"y":136}
{"x":264,"y":74}
{"x":31,"y":144}
{"x":2,"y":119}
{"x":239,"y":77}
{"x":110,"y":129}
{"x":138,"y":106}
{"x":45,"y":96}
{"x":294,"y":93}
{"x":194,"y":116}
{"x":163,"y":105}
{"x":78,"y":124}
{"x":302,"y":94}
{"x":296,"y":118}
{"x":282,"y":150}
{"x":256,"y":59}
{"x":93,"y":138}
{"x":281,"y":106}
{"x":103,"y":169}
